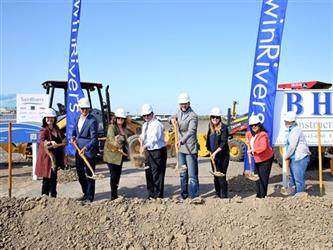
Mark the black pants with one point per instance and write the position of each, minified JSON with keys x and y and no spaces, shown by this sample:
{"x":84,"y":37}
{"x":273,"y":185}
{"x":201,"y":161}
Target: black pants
{"x":220,"y":183}
{"x":263,"y":169}
{"x":156,"y":160}
{"x":115,"y":172}
{"x":49,"y":185}
{"x":87,"y":184}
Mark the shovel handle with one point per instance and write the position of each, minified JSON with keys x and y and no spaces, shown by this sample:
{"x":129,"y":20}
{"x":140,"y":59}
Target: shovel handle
{"x":249,"y":157}
{"x":175,"y":128}
{"x":84,"y":158}
{"x":213,"y":161}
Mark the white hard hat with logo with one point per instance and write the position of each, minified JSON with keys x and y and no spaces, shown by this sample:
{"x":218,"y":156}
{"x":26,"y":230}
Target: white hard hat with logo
{"x":215,"y":112}
{"x":290,"y":116}
{"x":254,"y":119}
{"x":183,"y":98}
{"x":146,"y":109}
{"x":84,"y":103}
{"x":50,"y":112}
{"x":120,"y":113}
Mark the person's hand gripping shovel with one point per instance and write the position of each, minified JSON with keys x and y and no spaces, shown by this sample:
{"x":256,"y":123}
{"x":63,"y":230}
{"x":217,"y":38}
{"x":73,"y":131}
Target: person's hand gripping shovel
{"x":215,"y":172}
{"x":251,"y":176}
{"x":183,"y":168}
{"x":94,"y":176}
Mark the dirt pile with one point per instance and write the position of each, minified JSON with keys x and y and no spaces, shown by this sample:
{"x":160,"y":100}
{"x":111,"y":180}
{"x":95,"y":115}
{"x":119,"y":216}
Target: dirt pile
{"x":271,"y":223}
{"x":67,"y":175}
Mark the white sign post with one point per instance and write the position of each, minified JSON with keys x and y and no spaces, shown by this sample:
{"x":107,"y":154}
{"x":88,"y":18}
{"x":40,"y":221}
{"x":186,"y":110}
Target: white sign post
{"x":34,"y":155}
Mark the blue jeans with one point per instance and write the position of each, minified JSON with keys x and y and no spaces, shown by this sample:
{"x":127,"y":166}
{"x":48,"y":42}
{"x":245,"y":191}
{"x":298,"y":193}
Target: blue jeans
{"x":190,"y":176}
{"x":297,"y":173}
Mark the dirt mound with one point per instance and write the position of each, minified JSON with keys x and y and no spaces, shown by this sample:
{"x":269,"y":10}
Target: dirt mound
{"x":271,"y":223}
{"x":67,"y":175}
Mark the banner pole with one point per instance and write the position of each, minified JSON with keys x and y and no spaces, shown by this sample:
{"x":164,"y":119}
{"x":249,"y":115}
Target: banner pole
{"x":9,"y":159}
{"x":320,"y":161}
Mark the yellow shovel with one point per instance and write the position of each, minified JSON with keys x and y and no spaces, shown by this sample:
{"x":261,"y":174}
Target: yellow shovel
{"x":251,"y":176}
{"x":215,"y":172}
{"x":184,"y":167}
{"x":94,"y":176}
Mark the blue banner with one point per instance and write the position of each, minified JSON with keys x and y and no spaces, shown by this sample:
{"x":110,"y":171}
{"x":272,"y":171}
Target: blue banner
{"x":266,"y":63}
{"x":21,"y":133}
{"x":74,"y":91}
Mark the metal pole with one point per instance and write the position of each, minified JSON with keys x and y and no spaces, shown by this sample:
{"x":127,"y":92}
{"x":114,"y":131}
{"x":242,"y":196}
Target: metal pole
{"x":9,"y":159}
{"x":320,"y":161}
{"x":284,"y":169}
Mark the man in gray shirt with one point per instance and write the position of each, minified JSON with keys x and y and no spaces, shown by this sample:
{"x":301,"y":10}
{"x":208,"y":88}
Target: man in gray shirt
{"x":187,"y":121}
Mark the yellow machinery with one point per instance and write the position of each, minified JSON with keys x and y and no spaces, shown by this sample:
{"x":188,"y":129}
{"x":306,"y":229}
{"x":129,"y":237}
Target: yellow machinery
{"x":101,"y":109}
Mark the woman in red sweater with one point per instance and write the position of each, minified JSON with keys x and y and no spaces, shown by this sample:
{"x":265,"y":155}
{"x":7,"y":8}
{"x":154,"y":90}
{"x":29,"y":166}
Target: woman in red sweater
{"x":50,"y":153}
{"x":262,"y":152}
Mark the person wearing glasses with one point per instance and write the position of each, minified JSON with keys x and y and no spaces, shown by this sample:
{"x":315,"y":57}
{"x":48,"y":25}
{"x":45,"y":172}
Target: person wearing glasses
{"x":187,"y":121}
{"x":115,"y":148}
{"x":297,"y":152}
{"x":85,"y":135}
{"x":152,"y":144}
{"x":217,"y":145}
{"x":262,"y":152}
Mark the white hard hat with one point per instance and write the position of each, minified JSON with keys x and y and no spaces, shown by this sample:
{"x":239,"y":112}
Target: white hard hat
{"x":120,"y":113}
{"x":290,"y":116}
{"x":254,"y":119}
{"x":183,"y":98}
{"x":84,"y":103}
{"x":146,"y":109}
{"x":215,"y":112}
{"x":50,"y":113}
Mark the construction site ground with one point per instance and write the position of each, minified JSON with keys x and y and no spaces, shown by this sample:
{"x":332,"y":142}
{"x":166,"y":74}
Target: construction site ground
{"x":29,"y":221}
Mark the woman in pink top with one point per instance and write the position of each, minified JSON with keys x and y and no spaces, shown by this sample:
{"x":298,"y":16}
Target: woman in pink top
{"x":262,"y":152}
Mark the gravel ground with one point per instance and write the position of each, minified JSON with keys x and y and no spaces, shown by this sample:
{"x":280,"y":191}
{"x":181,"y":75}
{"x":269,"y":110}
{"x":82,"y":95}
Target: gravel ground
{"x":28,"y":221}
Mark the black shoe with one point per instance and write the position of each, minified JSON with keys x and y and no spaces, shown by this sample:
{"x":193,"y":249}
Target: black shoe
{"x":114,"y":198}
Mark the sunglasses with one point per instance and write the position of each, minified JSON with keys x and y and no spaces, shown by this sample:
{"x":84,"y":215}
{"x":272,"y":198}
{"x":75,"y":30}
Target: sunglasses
{"x":146,"y":115}
{"x":215,"y":117}
{"x":254,"y":125}
{"x":120,"y":118}
{"x":84,"y":108}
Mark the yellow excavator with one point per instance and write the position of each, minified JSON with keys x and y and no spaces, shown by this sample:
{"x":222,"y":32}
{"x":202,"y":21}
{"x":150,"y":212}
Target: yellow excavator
{"x":237,"y":127}
{"x":100,"y":108}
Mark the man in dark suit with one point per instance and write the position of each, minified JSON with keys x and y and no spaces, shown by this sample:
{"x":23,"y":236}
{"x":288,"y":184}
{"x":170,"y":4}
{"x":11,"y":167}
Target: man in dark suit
{"x":85,"y":134}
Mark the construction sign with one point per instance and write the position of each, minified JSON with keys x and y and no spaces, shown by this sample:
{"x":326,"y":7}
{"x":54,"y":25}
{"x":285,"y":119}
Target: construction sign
{"x":311,"y":107}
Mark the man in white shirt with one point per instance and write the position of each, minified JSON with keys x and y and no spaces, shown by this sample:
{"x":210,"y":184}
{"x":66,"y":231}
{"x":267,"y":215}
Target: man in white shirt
{"x":153,"y":145}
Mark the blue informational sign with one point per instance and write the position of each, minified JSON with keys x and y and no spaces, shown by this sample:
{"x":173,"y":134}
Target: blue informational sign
{"x":21,"y":133}
{"x":266,"y":63}
{"x":74,"y":91}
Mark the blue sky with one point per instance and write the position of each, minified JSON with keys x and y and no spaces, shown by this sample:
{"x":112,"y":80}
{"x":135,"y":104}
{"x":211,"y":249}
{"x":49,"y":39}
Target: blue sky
{"x":149,"y":51}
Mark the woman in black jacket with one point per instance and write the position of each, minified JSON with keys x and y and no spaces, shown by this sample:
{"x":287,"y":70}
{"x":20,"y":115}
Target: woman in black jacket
{"x":217,"y":145}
